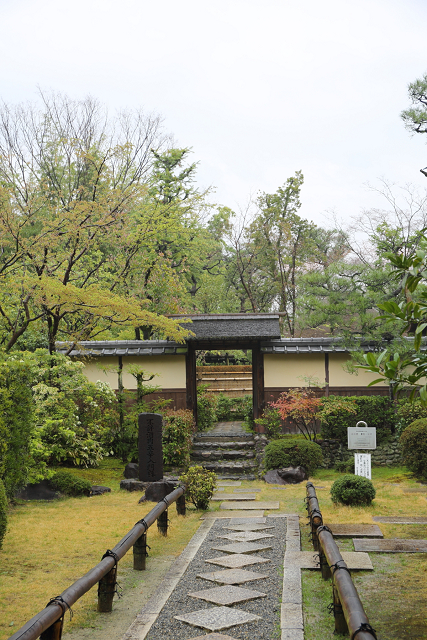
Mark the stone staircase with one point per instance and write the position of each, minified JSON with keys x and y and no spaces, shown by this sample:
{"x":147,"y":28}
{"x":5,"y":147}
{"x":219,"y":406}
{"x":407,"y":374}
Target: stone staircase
{"x":230,"y":453}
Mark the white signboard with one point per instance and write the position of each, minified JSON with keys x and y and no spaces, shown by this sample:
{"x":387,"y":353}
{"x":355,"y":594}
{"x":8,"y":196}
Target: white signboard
{"x":362,"y":465}
{"x":362,"y":437}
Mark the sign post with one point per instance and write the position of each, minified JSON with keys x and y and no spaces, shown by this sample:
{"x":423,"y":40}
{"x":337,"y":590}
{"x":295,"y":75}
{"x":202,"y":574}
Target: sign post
{"x":150,"y":452}
{"x":362,"y":437}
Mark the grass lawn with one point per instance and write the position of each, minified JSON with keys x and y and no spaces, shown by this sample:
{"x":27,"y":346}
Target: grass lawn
{"x":50,"y":545}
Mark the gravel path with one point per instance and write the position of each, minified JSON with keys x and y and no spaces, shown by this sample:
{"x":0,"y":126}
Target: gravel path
{"x":179,"y":603}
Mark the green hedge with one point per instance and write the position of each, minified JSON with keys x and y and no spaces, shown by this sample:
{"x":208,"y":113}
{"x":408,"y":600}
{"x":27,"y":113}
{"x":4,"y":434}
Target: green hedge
{"x":69,"y":484}
{"x":3,"y":513}
{"x":377,"y":411}
{"x":413,"y":442}
{"x":177,"y":437}
{"x":292,"y":452}
{"x":16,"y":423}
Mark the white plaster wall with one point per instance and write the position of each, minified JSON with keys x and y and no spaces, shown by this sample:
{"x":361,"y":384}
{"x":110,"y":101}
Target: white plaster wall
{"x":170,"y":370}
{"x":283,"y":370}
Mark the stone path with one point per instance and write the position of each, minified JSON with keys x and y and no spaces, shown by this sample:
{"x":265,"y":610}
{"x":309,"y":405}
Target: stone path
{"x":232,"y":580}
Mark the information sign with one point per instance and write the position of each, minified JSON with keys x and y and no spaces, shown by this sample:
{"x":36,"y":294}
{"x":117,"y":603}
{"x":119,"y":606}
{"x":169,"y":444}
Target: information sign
{"x":362,"y":437}
{"x":362,"y":465}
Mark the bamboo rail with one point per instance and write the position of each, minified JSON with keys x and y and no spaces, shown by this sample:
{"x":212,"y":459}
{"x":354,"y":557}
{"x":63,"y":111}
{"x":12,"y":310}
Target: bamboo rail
{"x":48,"y":623}
{"x":349,"y":614}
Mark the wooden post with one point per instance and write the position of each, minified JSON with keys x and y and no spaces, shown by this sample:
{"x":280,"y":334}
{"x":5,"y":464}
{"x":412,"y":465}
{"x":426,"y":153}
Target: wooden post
{"x":162,"y":523}
{"x":326,"y":572}
{"x":191,"y":379}
{"x":326,"y":375}
{"x":180,"y":505}
{"x":257,"y":380}
{"x":106,"y":591}
{"x":54,"y":632}
{"x":340,"y":622}
{"x":140,"y":553}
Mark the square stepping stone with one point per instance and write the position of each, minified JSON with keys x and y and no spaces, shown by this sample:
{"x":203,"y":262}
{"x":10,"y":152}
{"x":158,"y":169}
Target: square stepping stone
{"x":392,"y":545}
{"x":251,"y":520}
{"x":356,"y":530}
{"x":228,"y":514}
{"x":250,"y":505}
{"x":228,"y":483}
{"x":218,"y":490}
{"x":214,"y":636}
{"x":246,"y":536}
{"x":234,"y":496}
{"x":249,"y":527}
{"x":242,"y":547}
{"x":400,"y":519}
{"x":250,"y":490}
{"x":217,"y":618}
{"x":355,"y":561}
{"x":237,"y":560}
{"x":227,"y":595}
{"x":232,"y":576}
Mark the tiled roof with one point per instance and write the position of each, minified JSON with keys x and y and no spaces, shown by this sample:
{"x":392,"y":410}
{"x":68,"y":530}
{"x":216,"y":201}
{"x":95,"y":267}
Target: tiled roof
{"x":232,"y":327}
{"x":124,"y":348}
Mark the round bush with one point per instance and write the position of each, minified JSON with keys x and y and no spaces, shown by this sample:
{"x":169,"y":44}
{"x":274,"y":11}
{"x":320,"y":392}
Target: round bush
{"x":69,"y":484}
{"x":353,"y":490}
{"x":200,"y":484}
{"x":293,"y":452}
{"x":413,"y":442}
{"x":3,"y":513}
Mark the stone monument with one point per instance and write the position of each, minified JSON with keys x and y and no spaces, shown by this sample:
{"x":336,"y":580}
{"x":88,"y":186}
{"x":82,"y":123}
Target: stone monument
{"x":150,"y":451}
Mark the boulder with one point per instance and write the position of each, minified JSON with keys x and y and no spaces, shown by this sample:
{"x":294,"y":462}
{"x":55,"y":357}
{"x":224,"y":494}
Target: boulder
{"x":98,"y":490}
{"x":272,"y":477}
{"x":131,"y":470}
{"x":288,"y":475}
{"x":293,"y":475}
{"x":133,"y":485}
{"x":39,"y":491}
{"x":158,"y":490}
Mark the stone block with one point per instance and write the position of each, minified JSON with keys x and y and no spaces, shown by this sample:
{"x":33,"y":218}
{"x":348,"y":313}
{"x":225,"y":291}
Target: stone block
{"x":232,"y":576}
{"x":250,"y":505}
{"x":291,"y":616}
{"x":217,"y":618}
{"x":237,"y":560}
{"x":227,"y":595}
{"x":243,"y":547}
{"x":133,"y":485}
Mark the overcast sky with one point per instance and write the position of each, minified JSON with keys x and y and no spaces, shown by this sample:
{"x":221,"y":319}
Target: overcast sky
{"x":257,"y":89}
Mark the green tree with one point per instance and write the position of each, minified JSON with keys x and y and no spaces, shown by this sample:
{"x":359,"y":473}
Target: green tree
{"x":407,"y":370}
{"x":71,"y":183}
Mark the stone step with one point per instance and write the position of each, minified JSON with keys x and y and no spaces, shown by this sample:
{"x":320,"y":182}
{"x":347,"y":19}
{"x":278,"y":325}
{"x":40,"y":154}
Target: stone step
{"x":223,"y":437}
{"x":246,"y":444}
{"x":222,"y":454}
{"x":231,"y":468}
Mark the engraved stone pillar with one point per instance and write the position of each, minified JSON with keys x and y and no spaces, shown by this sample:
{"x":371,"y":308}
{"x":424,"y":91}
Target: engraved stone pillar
{"x":150,"y":447}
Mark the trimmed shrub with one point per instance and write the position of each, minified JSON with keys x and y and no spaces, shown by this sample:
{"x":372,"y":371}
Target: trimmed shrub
{"x":413,"y":442}
{"x":206,"y":410}
{"x":178,"y":428}
{"x":377,"y":411}
{"x":3,"y":513}
{"x":272,"y":422}
{"x":353,"y":490}
{"x":293,"y":452}
{"x":407,"y":412}
{"x":200,"y":485}
{"x":16,"y":422}
{"x":344,"y":466}
{"x":69,"y":484}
